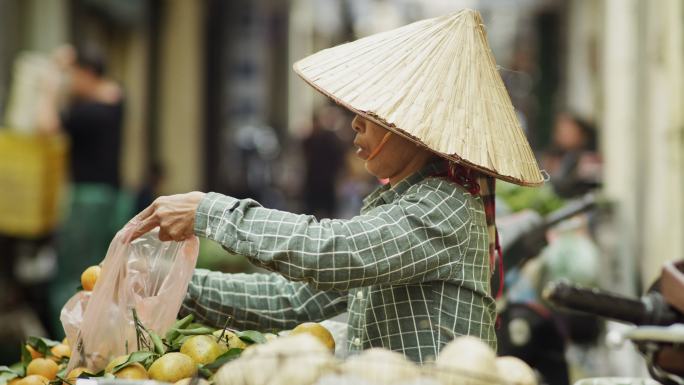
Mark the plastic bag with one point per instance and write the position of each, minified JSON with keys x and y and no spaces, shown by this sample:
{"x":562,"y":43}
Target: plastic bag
{"x":147,"y":275}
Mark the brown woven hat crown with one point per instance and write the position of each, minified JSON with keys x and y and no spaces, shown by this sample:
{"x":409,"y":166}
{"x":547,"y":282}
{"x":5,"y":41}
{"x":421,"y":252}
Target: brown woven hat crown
{"x":434,"y":82}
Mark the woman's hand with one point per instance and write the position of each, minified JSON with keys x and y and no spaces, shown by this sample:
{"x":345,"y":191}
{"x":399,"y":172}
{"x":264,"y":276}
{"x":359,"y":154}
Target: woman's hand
{"x":174,"y":215}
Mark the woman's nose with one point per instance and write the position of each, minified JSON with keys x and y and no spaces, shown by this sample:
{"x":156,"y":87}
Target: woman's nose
{"x":358,"y":124}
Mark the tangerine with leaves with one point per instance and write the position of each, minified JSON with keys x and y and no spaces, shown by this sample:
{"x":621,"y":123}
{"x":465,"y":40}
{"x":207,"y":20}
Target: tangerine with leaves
{"x":133,"y":371}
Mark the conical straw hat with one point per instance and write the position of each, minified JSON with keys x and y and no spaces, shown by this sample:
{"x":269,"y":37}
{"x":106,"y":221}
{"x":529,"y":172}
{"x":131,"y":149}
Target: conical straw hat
{"x":434,"y":82}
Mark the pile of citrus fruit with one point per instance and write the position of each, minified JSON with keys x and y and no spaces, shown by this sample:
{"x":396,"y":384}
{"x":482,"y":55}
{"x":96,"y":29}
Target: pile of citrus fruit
{"x":186,"y":350}
{"x":190,"y":354}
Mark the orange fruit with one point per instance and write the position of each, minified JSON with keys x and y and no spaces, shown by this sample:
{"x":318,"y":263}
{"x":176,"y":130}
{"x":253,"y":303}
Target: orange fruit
{"x":34,"y":379}
{"x":317,"y":330}
{"x":115,"y":362}
{"x":61,"y":351}
{"x":202,"y":349}
{"x":89,"y":277}
{"x":172,"y":367}
{"x":44,"y":367}
{"x":14,"y":381}
{"x":132,"y":372}
{"x":34,"y":353}
{"x":73,"y":375}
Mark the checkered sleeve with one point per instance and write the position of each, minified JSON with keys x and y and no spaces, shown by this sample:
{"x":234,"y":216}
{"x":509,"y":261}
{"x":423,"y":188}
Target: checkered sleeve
{"x":411,"y":240}
{"x":257,"y":301}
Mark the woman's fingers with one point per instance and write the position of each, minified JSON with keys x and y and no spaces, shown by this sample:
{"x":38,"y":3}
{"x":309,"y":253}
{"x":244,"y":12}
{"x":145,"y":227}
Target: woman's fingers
{"x":145,"y":213}
{"x":175,"y":216}
{"x":145,"y":226}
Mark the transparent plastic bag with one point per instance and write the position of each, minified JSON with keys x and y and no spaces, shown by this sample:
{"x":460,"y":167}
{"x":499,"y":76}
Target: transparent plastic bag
{"x":147,"y":275}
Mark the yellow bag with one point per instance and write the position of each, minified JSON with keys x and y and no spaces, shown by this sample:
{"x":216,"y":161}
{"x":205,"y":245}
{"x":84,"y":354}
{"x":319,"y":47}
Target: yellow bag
{"x":32,"y":179}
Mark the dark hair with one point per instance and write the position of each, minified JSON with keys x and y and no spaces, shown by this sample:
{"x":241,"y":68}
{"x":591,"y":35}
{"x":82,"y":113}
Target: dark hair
{"x":588,"y":130}
{"x":91,"y":60}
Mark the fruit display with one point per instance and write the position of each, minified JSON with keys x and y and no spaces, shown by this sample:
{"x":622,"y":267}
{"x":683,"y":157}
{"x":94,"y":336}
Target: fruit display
{"x":231,"y":357}
{"x":302,"y":356}
{"x":186,"y":350}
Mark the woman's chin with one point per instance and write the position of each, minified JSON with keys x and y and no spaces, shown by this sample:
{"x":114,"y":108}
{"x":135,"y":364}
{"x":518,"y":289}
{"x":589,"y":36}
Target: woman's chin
{"x":373,"y":171}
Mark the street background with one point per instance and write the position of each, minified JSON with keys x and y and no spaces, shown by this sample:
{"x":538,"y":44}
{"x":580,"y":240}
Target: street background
{"x":212,"y":104}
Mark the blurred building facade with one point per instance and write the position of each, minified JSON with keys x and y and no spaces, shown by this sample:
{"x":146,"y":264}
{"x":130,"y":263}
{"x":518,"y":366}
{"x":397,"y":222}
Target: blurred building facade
{"x":212,"y":97}
{"x":624,"y":70}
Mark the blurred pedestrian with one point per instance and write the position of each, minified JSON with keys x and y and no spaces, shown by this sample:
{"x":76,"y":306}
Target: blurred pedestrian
{"x":324,"y":159}
{"x":572,"y":160}
{"x":92,"y":117}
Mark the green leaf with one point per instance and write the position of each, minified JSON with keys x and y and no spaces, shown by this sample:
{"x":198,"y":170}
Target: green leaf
{"x":42,"y":345}
{"x":7,"y":374}
{"x":25,"y":357}
{"x":19,"y":369}
{"x":223,"y":358}
{"x":252,"y":336}
{"x":135,"y":357}
{"x":204,"y":372}
{"x":87,"y":374}
{"x":63,"y":373}
{"x":182,"y":323}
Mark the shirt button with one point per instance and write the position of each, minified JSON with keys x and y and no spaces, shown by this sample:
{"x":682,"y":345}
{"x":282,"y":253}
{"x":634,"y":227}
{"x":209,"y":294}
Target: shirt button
{"x":424,"y":324}
{"x":357,"y":341}
{"x":359,"y":295}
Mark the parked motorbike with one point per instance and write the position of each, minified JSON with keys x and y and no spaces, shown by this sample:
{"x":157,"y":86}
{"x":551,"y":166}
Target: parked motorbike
{"x":528,"y":328}
{"x":658,"y":317}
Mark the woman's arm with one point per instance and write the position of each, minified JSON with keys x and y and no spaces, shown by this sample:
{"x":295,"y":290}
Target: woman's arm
{"x":258,"y":301}
{"x":420,"y":237}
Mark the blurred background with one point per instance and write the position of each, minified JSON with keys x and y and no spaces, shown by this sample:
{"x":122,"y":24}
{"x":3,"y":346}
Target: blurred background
{"x":200,"y":95}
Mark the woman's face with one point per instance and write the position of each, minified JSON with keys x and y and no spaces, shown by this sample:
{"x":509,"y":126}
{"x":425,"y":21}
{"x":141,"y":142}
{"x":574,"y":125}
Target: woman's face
{"x":395,"y":156}
{"x":567,"y":134}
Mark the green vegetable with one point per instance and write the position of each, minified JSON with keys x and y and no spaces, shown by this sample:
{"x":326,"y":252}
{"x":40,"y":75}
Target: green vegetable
{"x":173,"y":333}
{"x":159,"y":347}
{"x":196,"y":331}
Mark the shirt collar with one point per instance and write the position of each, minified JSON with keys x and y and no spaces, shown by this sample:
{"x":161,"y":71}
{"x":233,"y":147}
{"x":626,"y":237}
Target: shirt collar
{"x":390,"y":193}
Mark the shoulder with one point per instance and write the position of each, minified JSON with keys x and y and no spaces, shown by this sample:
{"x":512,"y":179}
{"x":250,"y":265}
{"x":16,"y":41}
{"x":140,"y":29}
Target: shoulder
{"x":438,"y":190}
{"x":443,"y":198}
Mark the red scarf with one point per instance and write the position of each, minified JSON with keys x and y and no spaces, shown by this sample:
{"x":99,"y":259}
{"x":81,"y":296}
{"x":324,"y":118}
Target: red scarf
{"x":480,"y":184}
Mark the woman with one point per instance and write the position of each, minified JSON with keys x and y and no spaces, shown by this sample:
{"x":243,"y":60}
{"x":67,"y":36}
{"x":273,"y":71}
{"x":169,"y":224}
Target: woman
{"x":413,"y":269}
{"x":93,"y":121}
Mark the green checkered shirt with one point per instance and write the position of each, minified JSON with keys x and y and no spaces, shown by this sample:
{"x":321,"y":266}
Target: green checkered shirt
{"x":412,"y":270}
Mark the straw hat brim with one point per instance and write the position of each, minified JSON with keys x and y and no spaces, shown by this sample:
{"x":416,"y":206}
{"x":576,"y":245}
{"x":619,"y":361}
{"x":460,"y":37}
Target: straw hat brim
{"x":381,"y":122}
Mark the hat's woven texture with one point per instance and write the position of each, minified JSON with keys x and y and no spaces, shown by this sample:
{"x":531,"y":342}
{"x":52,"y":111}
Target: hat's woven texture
{"x":435,"y":82}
